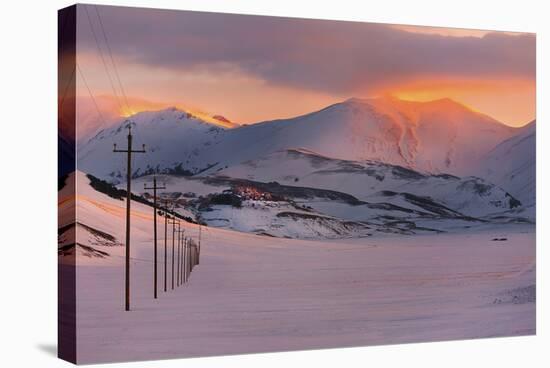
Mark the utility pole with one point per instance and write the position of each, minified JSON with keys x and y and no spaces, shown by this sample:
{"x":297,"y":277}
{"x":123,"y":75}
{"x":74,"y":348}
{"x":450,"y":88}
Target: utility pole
{"x":178,"y":231}
{"x":182,"y":236}
{"x":187,"y":244}
{"x":129,"y":152}
{"x":178,"y":261}
{"x":188,"y":259}
{"x":173,"y":223}
{"x":188,"y":265}
{"x":166,"y":204}
{"x":154,"y":188}
{"x":199,"y":249}
{"x":185,"y":260}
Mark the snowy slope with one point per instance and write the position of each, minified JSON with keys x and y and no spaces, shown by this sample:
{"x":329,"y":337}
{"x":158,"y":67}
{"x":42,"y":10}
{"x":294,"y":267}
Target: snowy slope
{"x":436,"y":136}
{"x":99,"y":231}
{"x":176,"y":142}
{"x":469,"y":195}
{"x":512,"y":164}
{"x":417,"y":204}
{"x":255,"y":293}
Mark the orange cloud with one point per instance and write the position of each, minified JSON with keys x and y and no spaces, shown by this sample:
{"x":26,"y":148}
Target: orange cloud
{"x":511,"y":101}
{"x":251,"y":69}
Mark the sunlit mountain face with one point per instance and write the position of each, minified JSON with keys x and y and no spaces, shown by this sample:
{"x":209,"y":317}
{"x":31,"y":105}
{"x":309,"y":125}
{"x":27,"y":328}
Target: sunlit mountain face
{"x":218,"y":120}
{"x":440,"y":136}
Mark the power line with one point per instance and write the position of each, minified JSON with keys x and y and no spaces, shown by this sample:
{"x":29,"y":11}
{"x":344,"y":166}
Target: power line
{"x":117,"y":74}
{"x":112,"y":58}
{"x":103,"y":121}
{"x":101,"y":117}
{"x":69,"y":84}
{"x":102,"y":57}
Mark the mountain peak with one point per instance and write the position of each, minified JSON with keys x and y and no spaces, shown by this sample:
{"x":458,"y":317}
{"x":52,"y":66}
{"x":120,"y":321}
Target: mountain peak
{"x":168,"y":112}
{"x":447,"y":102}
{"x":445,"y":106}
{"x":392,"y":99}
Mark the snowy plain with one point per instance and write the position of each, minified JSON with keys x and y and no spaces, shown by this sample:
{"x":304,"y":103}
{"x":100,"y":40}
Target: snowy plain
{"x":254,"y":293}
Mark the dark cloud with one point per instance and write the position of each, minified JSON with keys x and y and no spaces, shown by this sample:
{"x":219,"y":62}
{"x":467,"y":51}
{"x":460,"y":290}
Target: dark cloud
{"x":323,"y":55}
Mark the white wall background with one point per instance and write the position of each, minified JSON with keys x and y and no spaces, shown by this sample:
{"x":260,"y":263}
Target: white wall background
{"x":28,"y":139}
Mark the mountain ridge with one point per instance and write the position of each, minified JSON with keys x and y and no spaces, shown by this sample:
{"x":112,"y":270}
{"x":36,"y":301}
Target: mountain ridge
{"x":512,"y":163}
{"x":440,"y":136}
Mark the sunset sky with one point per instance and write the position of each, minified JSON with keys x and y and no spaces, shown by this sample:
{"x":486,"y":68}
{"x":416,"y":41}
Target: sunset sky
{"x":255,"y":68}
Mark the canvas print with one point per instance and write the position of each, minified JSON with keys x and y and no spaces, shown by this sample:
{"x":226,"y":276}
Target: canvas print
{"x":235,"y":184}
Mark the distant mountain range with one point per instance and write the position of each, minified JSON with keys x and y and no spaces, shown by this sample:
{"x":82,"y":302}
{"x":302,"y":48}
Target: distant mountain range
{"x":512,"y":164}
{"x":433,"y":137}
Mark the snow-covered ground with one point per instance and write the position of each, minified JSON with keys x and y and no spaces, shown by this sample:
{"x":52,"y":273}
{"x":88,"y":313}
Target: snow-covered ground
{"x":254,"y":293}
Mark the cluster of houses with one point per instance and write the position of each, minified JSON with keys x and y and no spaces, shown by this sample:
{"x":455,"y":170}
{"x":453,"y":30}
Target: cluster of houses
{"x":252,"y":193}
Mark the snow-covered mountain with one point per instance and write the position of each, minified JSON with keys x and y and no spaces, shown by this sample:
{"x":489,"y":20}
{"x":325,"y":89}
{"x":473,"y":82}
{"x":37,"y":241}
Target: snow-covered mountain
{"x":512,"y":164}
{"x":366,"y":180}
{"x":438,"y":137}
{"x":302,"y":195}
{"x":176,"y":142}
{"x":351,"y":169}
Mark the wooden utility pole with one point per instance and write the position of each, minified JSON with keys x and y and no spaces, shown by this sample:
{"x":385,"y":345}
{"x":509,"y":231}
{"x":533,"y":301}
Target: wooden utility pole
{"x":187,"y":243}
{"x":199,"y":248}
{"x":154,"y":188}
{"x":166,"y":204}
{"x":129,"y":152}
{"x":182,"y":255}
{"x":178,"y":261}
{"x":173,"y":223}
{"x":184,"y":260}
{"x":178,"y":231}
{"x":188,"y":259}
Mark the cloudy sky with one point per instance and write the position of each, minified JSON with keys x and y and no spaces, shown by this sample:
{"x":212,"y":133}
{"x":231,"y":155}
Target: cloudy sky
{"x":255,"y":68}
